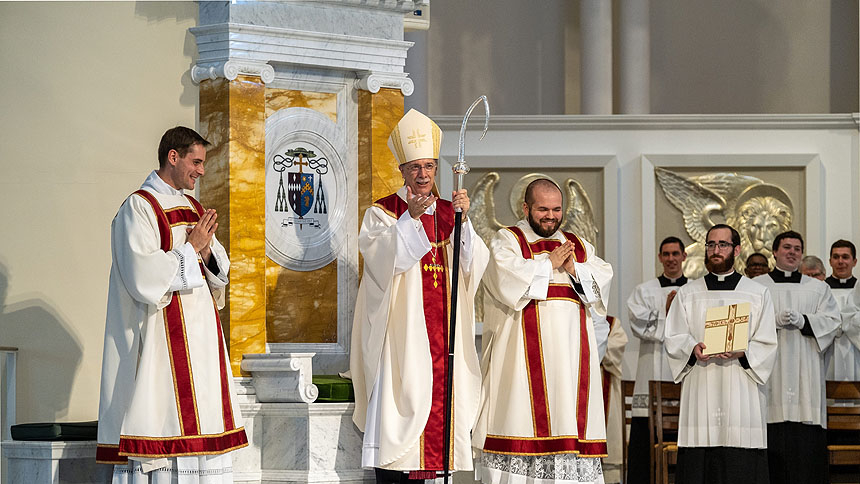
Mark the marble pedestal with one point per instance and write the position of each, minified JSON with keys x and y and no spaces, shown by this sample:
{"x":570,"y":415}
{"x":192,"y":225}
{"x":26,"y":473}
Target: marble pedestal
{"x":299,"y":442}
{"x":53,"y":463}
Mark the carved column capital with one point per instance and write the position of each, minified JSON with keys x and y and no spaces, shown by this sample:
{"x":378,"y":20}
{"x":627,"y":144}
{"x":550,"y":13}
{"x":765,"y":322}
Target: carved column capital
{"x":231,"y":69}
{"x":374,"y":81}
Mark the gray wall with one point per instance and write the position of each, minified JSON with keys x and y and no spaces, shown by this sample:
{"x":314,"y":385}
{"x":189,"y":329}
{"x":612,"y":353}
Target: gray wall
{"x":707,"y":56}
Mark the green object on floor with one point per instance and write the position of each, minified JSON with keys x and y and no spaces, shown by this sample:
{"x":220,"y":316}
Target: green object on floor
{"x":55,"y":431}
{"x":334,"y":388}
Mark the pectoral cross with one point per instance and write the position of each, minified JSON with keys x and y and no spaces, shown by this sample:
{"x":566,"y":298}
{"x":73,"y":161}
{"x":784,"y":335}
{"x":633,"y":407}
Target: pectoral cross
{"x":730,"y":323}
{"x":435,"y":269}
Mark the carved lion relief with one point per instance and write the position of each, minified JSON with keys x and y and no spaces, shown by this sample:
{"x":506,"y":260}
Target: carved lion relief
{"x":758,"y":210}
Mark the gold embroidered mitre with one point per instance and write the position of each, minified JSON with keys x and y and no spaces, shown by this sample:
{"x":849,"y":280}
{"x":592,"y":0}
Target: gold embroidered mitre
{"x":415,"y":137}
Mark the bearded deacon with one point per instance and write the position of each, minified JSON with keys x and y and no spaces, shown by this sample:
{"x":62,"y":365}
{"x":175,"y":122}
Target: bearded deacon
{"x":722,"y":428}
{"x":542,"y":417}
{"x":399,"y":354}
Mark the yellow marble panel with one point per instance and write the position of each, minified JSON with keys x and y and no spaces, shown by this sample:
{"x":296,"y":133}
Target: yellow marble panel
{"x":378,"y":175}
{"x":301,"y":306}
{"x":324,"y":102}
{"x":232,"y":118}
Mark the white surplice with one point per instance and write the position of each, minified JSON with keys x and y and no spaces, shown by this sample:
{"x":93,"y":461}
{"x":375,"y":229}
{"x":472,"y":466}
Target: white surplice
{"x":611,"y":363}
{"x":139,"y":397}
{"x":508,"y":408}
{"x":796,"y":389}
{"x":723,"y":404}
{"x":844,"y":355}
{"x":390,"y":359}
{"x":647,"y":308}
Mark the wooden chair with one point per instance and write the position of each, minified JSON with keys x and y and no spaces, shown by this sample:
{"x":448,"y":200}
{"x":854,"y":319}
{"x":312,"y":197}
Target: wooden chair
{"x":664,"y":406}
{"x":627,"y":411}
{"x":844,"y":417}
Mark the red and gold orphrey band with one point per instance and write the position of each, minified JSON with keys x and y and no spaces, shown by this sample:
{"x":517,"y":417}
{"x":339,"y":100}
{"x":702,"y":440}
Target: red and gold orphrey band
{"x":436,"y":298}
{"x":543,"y":442}
{"x":191,"y":442}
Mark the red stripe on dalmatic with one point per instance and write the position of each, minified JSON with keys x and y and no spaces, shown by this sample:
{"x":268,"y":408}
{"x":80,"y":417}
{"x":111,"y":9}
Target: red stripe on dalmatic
{"x":548,"y":446}
{"x":109,"y":454}
{"x":584,"y":369}
{"x":172,"y":447}
{"x":163,"y":225}
{"x":182,"y":215}
{"x":181,"y":361}
{"x":534,"y":365}
{"x":226,"y":405}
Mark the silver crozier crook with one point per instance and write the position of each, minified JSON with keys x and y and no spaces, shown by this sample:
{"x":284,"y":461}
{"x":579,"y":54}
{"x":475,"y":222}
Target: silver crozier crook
{"x":460,"y":169}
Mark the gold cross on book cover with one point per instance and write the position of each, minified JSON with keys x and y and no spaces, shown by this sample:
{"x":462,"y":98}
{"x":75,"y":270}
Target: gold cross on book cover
{"x":727,"y":328}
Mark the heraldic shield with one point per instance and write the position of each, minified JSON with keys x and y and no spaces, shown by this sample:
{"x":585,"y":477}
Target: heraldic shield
{"x":300,"y":192}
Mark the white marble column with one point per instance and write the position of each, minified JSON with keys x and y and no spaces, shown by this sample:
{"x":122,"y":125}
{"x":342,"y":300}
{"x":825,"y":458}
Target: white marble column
{"x":634,"y":69}
{"x":596,"y":30}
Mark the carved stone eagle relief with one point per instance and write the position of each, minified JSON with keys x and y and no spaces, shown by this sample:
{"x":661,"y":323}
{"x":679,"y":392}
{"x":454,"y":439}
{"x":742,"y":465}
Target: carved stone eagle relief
{"x":578,"y":214}
{"x":758,"y":210}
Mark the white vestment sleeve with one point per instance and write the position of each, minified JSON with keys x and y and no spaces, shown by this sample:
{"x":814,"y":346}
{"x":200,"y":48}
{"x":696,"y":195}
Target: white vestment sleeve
{"x":540,"y":283}
{"x":643,"y":318}
{"x":188,"y":276}
{"x":467,"y":234}
{"x":146,"y":270}
{"x":761,"y":350}
{"x":826,"y":320}
{"x":218,"y":283}
{"x":851,"y":317}
{"x":413,"y":243}
{"x":678,"y":339}
{"x":594,"y":276}
{"x":509,"y":276}
{"x":601,"y":332}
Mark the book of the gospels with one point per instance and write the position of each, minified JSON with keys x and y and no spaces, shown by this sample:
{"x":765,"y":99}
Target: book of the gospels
{"x":727,"y":328}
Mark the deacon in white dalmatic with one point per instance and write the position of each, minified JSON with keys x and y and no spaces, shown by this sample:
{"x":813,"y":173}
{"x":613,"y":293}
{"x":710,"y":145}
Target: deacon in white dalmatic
{"x":399,"y":354}
{"x":722,"y":429}
{"x":542,"y":417}
{"x":168,"y":411}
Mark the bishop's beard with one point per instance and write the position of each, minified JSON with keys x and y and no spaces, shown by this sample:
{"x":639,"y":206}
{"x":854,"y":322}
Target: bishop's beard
{"x":720,"y":267}
{"x":545,"y":233}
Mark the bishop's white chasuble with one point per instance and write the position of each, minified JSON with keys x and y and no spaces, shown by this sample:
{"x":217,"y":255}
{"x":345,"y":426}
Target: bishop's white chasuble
{"x":542,"y":416}
{"x":166,"y":388}
{"x":399,"y":354}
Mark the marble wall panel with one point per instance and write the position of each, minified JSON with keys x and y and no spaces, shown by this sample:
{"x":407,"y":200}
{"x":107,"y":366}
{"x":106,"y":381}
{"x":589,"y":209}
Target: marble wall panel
{"x":301,"y":307}
{"x":232,"y":118}
{"x":378,"y":175}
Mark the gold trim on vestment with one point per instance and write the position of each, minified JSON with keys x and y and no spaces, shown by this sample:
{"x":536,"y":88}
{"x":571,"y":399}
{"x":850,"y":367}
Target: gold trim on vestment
{"x":183,"y":454}
{"x":388,"y":212}
{"x":183,"y":437}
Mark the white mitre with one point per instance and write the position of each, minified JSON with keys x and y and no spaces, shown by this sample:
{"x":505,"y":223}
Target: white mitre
{"x":415,"y":137}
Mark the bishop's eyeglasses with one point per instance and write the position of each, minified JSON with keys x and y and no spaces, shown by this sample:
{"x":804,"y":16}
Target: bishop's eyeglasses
{"x":413,"y":168}
{"x":723,"y":245}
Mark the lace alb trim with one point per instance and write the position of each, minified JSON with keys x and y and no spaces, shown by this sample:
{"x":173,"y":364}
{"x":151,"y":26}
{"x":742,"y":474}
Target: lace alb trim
{"x":567,"y":467}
